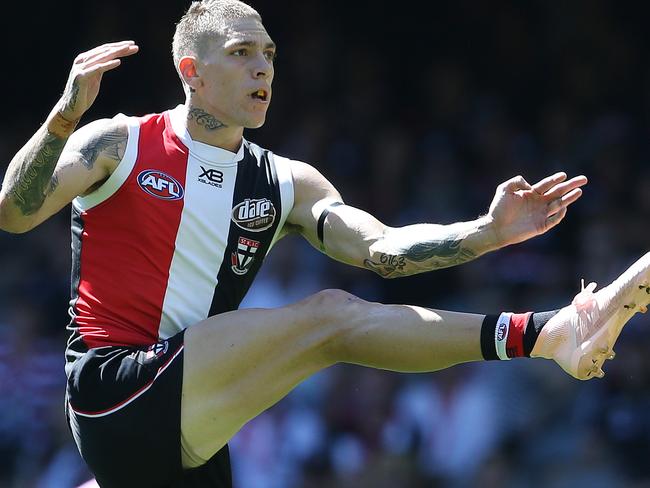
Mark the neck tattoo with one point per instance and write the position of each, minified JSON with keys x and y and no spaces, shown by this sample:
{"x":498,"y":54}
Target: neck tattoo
{"x":204,"y":119}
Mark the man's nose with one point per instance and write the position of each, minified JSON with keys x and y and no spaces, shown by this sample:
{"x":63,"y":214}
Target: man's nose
{"x":262,"y":67}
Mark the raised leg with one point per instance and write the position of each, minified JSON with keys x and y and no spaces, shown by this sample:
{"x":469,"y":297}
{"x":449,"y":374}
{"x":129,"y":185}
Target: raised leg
{"x":240,"y":363}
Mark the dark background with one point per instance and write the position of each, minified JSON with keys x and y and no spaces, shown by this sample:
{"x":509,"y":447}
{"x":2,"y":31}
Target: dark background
{"x":415,"y":111}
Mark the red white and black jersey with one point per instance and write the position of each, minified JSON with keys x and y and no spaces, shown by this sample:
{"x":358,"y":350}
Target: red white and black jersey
{"x":176,"y":234}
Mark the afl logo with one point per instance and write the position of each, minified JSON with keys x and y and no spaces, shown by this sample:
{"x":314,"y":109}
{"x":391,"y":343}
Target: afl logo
{"x":502,"y":331}
{"x":160,"y":185}
{"x":255,"y":215}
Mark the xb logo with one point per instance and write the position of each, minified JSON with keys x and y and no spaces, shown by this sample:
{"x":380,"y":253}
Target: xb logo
{"x":212,"y":177}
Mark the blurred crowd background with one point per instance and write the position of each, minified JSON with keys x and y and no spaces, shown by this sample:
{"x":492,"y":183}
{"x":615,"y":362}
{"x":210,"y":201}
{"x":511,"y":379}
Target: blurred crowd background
{"x":415,"y":111}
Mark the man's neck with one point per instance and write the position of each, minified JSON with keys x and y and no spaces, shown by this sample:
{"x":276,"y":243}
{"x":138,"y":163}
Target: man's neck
{"x":208,"y":129}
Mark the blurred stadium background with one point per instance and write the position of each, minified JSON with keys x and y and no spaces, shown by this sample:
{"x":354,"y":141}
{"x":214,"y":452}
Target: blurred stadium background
{"x":416,"y":113}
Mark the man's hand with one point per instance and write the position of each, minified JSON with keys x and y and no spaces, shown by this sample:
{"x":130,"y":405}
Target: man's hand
{"x":86,"y":75}
{"x":520,"y":211}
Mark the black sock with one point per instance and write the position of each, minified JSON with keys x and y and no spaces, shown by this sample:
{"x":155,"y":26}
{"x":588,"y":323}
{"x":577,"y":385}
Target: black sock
{"x":538,"y":321}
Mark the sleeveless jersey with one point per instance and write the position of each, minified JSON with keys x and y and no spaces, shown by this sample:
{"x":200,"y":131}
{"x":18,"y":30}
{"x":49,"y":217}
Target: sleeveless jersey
{"x":176,"y":234}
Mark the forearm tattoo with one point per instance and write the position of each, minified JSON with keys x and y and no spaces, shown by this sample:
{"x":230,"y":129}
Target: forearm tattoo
{"x":70,"y":100}
{"x":33,"y":180}
{"x":204,"y":119}
{"x":421,"y":256}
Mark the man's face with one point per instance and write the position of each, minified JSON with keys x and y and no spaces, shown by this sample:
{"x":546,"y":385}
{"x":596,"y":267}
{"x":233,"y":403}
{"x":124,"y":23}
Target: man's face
{"x":237,"y":72}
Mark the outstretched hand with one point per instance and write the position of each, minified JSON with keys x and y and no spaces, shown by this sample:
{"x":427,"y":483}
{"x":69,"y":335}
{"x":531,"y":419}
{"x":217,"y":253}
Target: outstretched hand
{"x":86,"y":75}
{"x":520,"y":211}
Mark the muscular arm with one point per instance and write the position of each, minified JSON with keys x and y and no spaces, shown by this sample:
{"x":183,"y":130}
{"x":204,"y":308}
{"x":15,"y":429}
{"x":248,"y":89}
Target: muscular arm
{"x":355,"y":237}
{"x":52,"y":169}
{"x":518,"y":212}
{"x":56,"y":165}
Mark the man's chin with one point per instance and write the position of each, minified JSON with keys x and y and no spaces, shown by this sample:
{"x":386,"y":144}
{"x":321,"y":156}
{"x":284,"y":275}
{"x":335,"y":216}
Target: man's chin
{"x":255,"y":124}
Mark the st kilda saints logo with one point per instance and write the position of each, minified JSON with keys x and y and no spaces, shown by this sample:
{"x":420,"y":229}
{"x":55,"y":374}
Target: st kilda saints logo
{"x":244,"y":256}
{"x":255,"y":215}
{"x":160,"y":185}
{"x":156,"y":350}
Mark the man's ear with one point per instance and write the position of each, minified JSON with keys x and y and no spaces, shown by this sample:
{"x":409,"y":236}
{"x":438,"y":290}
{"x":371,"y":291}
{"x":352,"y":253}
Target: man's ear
{"x":187,"y":68}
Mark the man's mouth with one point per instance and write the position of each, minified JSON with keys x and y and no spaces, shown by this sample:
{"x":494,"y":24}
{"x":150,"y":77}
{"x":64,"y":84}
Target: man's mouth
{"x":261,"y":95}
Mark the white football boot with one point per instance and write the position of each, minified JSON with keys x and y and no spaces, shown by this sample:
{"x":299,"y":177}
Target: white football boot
{"x":582,"y":335}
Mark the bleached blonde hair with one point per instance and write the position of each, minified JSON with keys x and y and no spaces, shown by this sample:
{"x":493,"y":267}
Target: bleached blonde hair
{"x":204,"y":20}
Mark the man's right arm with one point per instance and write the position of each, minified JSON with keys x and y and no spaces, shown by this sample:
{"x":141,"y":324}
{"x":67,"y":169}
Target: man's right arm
{"x":56,"y":165}
{"x":51,"y":170}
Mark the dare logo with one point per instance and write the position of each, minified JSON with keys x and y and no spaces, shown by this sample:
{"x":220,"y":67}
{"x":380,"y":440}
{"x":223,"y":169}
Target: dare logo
{"x":255,"y":215}
{"x":160,"y":185}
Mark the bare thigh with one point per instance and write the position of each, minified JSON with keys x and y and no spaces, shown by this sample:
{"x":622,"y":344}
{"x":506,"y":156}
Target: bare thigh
{"x":238,"y":364}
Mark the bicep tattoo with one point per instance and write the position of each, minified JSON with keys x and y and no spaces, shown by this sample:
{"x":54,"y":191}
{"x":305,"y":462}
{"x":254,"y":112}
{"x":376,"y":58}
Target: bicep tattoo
{"x":111,"y":144}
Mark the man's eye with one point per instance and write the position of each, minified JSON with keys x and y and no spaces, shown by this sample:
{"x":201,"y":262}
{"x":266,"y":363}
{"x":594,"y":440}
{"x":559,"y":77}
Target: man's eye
{"x":270,"y":55}
{"x":240,"y":52}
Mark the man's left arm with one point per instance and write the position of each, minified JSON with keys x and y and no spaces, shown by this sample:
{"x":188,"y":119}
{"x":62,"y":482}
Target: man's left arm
{"x":518,"y":212}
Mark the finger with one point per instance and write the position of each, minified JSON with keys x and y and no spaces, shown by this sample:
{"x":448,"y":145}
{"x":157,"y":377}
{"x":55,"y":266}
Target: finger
{"x":516,"y":183}
{"x":119,"y":43}
{"x":85,"y":55}
{"x":563,"y":202}
{"x":549,"y":182}
{"x":555,"y":219}
{"x":102,"y":67}
{"x":563,"y":188}
{"x":112,"y":53}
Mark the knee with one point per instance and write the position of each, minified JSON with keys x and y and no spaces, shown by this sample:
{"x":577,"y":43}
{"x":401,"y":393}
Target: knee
{"x":333,"y":306}
{"x":332,"y":316}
